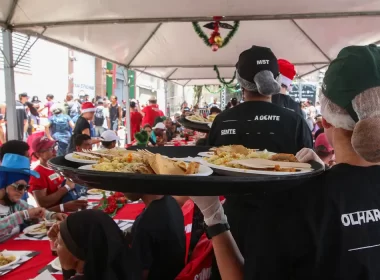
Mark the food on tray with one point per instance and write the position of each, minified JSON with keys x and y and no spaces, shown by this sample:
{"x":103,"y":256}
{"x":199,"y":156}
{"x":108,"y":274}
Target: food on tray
{"x":6,"y":260}
{"x":198,"y":118}
{"x":146,"y":163}
{"x":95,"y":191}
{"x":230,"y":156}
{"x":86,"y":156}
{"x":211,"y":118}
{"x":284,"y":157}
{"x":40,"y":229}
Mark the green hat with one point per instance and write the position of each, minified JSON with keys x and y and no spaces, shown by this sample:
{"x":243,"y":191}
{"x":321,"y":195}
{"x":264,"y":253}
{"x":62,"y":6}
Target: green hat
{"x":356,"y":69}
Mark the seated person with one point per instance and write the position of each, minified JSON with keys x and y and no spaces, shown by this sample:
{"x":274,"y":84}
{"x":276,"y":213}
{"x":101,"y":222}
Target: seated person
{"x":324,"y":150}
{"x":159,"y":131}
{"x":17,"y":147}
{"x":170,"y":134}
{"x":15,"y":213}
{"x":82,"y":142}
{"x":109,"y":139}
{"x":91,"y":245}
{"x":152,"y":136}
{"x":50,"y":189}
{"x":215,"y":111}
{"x":158,"y":237}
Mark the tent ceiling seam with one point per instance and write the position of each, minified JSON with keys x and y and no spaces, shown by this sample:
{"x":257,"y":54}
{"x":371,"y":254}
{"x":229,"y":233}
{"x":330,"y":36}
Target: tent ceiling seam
{"x":186,"y":83}
{"x":219,"y":66}
{"x":167,"y":78}
{"x":11,"y":13}
{"x":312,"y":71}
{"x":145,"y":43}
{"x":203,"y":18}
{"x":311,"y":40}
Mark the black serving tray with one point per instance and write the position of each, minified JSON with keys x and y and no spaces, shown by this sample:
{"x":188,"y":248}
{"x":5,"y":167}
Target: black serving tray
{"x":180,"y":185}
{"x":204,"y":128}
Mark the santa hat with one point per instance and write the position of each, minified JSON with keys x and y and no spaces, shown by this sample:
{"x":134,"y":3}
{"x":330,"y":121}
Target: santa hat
{"x":87,"y":107}
{"x":287,"y":72}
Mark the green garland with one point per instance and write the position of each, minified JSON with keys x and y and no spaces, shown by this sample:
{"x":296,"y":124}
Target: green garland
{"x":222,"y":80}
{"x":204,"y":37}
{"x":222,"y":88}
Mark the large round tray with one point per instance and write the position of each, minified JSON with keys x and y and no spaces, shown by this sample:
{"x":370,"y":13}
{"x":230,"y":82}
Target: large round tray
{"x":180,"y":185}
{"x":204,"y":128}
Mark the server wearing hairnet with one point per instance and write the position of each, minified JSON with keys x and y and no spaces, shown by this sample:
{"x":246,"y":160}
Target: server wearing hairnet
{"x":257,"y":123}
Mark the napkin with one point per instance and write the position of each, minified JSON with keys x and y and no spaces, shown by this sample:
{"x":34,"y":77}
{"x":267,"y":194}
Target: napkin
{"x":24,"y":257}
{"x":44,"y":276}
{"x":125,"y":225}
{"x":50,"y":269}
{"x":22,"y":236}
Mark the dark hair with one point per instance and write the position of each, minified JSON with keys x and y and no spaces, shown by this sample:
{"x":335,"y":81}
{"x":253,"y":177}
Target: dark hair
{"x":215,"y":110}
{"x":234,"y":101}
{"x":114,"y":96}
{"x":80,"y":138}
{"x":50,"y":96}
{"x":201,"y":142}
{"x":322,"y":154}
{"x":100,"y":102}
{"x":318,"y":132}
{"x":35,"y":98}
{"x":147,"y":125}
{"x":107,"y":144}
{"x":132,"y":104}
{"x":17,"y":147}
{"x":153,"y":101}
{"x":228,"y":106}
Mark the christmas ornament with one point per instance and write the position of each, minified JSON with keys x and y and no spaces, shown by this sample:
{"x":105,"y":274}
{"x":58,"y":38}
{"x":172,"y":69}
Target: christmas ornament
{"x":111,"y":204}
{"x":215,"y":41}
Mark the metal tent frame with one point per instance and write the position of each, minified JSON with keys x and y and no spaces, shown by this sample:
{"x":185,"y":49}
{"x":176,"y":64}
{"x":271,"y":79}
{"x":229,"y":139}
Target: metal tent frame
{"x":156,"y":37}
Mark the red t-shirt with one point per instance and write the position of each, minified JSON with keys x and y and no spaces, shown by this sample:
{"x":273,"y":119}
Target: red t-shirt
{"x":151,"y":113}
{"x":49,"y":180}
{"x":136,"y":119}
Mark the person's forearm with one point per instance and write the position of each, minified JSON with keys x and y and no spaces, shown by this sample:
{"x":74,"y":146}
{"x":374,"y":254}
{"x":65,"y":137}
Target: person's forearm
{"x":47,"y":132}
{"x":228,"y":257}
{"x":50,"y":200}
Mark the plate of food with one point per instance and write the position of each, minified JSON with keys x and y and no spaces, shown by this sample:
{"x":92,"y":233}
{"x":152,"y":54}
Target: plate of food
{"x":93,"y":191}
{"x":7,"y":259}
{"x":236,"y":160}
{"x":149,"y":163}
{"x":206,"y":154}
{"x":36,"y":229}
{"x":56,"y":264}
{"x":82,"y":157}
{"x":198,"y":119}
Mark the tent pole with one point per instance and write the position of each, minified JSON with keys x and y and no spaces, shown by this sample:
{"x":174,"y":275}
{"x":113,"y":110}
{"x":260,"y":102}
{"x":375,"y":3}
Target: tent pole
{"x":9,"y":80}
{"x":127,"y":107}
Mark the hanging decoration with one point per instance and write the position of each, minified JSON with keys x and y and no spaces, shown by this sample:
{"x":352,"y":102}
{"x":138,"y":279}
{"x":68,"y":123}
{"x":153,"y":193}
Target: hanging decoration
{"x":222,"y":80}
{"x":231,"y":90}
{"x":215,"y":41}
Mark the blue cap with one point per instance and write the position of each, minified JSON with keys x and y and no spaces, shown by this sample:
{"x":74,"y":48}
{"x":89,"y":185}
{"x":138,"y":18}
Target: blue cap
{"x":17,"y":164}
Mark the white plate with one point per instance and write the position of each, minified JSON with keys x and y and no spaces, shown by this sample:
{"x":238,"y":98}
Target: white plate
{"x":206,"y":154}
{"x":230,"y":171}
{"x":194,"y":121}
{"x":93,"y":191}
{"x":71,"y":158}
{"x":203,"y":170}
{"x":56,"y":264}
{"x":29,"y":230}
{"x":8,"y":254}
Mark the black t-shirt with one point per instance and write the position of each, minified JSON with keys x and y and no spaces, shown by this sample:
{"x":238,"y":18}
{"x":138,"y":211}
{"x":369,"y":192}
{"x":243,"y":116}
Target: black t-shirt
{"x":159,"y":239}
{"x":327,"y":229}
{"x":287,"y":102}
{"x":21,"y":117}
{"x":261,"y":125}
{"x":80,"y":125}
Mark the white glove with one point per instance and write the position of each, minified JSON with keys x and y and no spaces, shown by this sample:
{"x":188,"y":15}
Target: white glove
{"x":211,"y":209}
{"x":306,"y":155}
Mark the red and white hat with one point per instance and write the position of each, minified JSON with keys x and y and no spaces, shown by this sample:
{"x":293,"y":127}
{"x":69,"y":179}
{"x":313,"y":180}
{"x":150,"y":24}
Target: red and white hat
{"x":287,"y":72}
{"x":87,"y":107}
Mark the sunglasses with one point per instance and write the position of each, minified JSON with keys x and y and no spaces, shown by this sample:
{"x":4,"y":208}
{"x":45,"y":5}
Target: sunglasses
{"x":20,"y":187}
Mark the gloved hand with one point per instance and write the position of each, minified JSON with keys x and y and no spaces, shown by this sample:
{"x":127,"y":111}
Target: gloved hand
{"x":306,"y":155}
{"x":211,"y":209}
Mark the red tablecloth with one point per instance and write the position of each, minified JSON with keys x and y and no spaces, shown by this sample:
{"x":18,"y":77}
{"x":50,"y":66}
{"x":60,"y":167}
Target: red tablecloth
{"x":30,"y":269}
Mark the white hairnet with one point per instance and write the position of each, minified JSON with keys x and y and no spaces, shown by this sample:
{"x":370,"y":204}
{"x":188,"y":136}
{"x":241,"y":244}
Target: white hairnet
{"x":263,"y":83}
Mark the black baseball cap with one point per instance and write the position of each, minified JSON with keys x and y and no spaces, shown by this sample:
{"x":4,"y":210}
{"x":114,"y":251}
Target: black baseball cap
{"x":24,"y":94}
{"x":254,"y":60}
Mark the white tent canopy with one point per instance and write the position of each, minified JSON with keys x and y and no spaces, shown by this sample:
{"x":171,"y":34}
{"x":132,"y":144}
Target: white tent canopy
{"x":156,"y":37}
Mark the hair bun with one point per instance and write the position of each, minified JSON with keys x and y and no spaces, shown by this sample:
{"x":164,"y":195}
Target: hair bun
{"x":366,"y":139}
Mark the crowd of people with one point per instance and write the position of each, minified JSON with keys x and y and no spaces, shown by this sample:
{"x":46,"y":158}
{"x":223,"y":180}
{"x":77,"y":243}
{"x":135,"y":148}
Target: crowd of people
{"x":323,"y":228}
